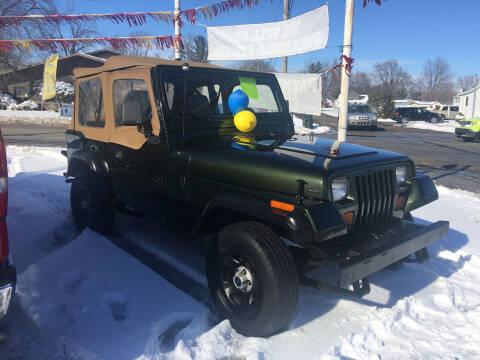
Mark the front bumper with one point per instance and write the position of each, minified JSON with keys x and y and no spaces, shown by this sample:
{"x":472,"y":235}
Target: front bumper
{"x":375,"y":251}
{"x":8,"y":280}
{"x":465,"y":133}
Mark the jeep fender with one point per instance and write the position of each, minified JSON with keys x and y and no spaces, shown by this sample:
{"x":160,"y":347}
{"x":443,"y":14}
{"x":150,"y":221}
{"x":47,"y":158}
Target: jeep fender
{"x":423,"y":192}
{"x":303,"y":225}
{"x":82,"y":158}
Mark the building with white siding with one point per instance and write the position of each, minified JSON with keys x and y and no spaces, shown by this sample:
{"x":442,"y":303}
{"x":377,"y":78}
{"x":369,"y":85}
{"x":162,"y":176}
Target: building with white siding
{"x":469,"y":103}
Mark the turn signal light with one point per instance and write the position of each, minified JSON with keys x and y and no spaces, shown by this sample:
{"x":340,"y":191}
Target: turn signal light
{"x":348,"y":217}
{"x":399,"y":202}
{"x":281,"y":206}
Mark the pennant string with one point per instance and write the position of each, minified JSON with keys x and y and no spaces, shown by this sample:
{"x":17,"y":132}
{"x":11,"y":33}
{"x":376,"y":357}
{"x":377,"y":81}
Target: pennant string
{"x":161,"y":42}
{"x":140,"y":18}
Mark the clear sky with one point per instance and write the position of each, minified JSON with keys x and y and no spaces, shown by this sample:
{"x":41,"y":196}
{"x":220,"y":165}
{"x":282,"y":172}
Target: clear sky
{"x":410,"y":31}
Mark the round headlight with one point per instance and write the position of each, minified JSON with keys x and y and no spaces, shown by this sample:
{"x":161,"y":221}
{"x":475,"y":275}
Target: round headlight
{"x":339,"y":189}
{"x":401,"y":174}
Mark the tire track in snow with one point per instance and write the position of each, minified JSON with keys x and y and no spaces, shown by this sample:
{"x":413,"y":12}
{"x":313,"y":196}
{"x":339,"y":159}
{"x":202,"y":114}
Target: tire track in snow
{"x":177,"y":278}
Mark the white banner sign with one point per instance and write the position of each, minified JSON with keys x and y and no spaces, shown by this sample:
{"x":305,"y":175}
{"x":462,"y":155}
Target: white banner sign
{"x":301,"y":34}
{"x":303,"y":92}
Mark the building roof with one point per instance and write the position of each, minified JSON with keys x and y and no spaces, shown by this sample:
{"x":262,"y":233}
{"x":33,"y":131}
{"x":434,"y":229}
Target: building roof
{"x":65,"y":67}
{"x":123,"y":62}
{"x":468,"y":91}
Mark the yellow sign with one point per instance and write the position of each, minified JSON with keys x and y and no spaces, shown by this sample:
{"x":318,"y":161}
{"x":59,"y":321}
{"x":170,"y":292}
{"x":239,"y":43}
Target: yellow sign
{"x":50,"y":77}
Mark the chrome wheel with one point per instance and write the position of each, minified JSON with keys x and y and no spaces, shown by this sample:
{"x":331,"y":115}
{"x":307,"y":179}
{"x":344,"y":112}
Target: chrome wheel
{"x":239,"y":285}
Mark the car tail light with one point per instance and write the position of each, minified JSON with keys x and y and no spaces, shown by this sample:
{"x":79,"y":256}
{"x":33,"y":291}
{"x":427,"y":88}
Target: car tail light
{"x":3,"y":200}
{"x":397,"y":113}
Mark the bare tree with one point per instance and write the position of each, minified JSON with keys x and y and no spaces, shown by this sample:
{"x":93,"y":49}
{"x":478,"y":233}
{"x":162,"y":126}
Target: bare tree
{"x":330,"y":81}
{"x":255,"y":65}
{"x":27,"y":30}
{"x":76,"y":29}
{"x":390,"y":82}
{"x":468,"y":82}
{"x":196,"y":48}
{"x":391,"y":79}
{"x":360,"y":83}
{"x":437,"y":80}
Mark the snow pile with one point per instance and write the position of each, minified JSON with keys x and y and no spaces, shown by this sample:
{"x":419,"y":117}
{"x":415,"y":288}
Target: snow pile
{"x":447,"y":126}
{"x":5,"y":101}
{"x":301,"y":130}
{"x":63,"y":89}
{"x":330,"y":112}
{"x":85,"y":292}
{"x":386,"y":120}
{"x":26,"y":105}
{"x":32,"y":117}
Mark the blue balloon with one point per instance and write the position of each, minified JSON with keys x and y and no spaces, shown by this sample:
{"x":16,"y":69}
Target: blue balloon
{"x":238,"y":101}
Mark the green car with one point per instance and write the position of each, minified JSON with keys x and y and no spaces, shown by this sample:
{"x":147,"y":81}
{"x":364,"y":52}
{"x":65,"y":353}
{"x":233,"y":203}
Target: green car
{"x":216,"y":149}
{"x":468,"y":130}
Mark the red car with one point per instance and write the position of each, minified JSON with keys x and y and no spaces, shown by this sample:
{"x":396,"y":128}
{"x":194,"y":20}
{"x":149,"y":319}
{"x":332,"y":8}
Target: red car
{"x":8,"y":276}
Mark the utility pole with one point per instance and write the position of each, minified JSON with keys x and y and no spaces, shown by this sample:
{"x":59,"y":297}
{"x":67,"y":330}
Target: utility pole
{"x":178,"y":35}
{"x":285,"y":17}
{"x":347,"y":51}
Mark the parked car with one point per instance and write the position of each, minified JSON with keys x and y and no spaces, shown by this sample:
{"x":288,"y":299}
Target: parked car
{"x":468,"y":130}
{"x":159,"y":136}
{"x":405,"y":114}
{"x":361,"y":116}
{"x":448,"y":112}
{"x":8,"y":277}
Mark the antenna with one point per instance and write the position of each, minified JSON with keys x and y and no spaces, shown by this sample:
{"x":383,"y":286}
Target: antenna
{"x":185,"y":68}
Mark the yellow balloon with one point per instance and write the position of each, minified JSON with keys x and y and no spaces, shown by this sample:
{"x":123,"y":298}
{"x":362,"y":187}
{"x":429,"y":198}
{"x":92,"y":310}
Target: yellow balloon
{"x":245,"y":121}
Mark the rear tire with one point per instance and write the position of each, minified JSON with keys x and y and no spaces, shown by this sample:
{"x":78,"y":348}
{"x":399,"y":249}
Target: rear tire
{"x":91,"y":204}
{"x":404,"y":120}
{"x":253,"y":279}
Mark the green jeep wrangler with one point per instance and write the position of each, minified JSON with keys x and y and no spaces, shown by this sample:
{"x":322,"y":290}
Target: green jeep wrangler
{"x":468,"y":130}
{"x":159,"y":136}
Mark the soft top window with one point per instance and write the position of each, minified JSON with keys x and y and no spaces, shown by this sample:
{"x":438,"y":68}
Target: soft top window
{"x":90,"y":103}
{"x":131,"y":101}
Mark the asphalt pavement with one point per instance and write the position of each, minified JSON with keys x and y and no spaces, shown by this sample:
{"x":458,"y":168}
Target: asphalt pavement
{"x":449,"y":161}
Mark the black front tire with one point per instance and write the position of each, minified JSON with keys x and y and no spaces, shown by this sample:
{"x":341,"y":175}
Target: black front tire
{"x":404,"y":120}
{"x":91,"y":204}
{"x":268,"y":302}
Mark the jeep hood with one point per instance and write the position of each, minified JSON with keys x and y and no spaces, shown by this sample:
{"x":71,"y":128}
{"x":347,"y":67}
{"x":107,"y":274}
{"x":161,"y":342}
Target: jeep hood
{"x":275,"y":166}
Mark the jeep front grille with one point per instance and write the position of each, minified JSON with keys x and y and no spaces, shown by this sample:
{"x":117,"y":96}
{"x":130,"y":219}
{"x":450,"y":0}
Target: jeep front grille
{"x":375,"y":198}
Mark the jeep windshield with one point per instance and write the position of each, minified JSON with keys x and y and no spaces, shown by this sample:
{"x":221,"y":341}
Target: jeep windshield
{"x":205,"y":93}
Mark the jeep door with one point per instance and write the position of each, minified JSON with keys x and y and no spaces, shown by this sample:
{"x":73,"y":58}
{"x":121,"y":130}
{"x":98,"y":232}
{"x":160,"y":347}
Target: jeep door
{"x":134,"y":160}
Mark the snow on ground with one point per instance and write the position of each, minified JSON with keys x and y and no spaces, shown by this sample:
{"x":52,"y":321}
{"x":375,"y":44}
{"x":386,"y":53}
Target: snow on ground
{"x":330,"y":111}
{"x":98,"y":301}
{"x":6,"y":100}
{"x":447,"y":126}
{"x":32,"y":117}
{"x":386,"y":120}
{"x":301,"y":130}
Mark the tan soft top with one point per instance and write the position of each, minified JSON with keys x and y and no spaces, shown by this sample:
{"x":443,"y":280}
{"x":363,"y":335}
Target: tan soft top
{"x":122,"y":62}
